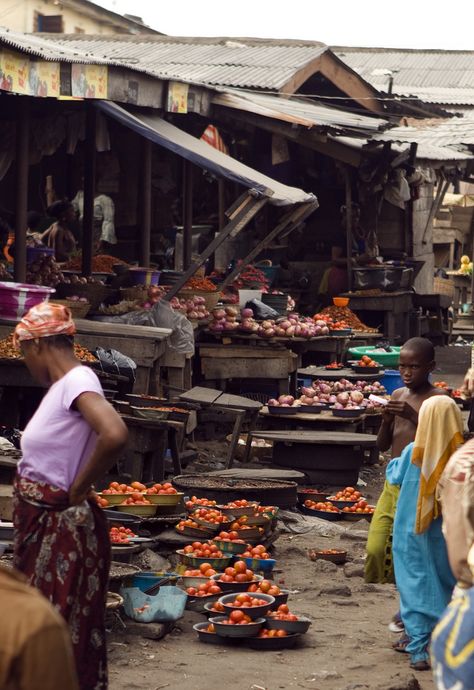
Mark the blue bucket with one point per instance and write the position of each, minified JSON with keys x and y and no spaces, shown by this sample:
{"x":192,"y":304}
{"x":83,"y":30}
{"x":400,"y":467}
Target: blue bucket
{"x":391,"y":380}
{"x":144,"y":580}
{"x":167,"y":605}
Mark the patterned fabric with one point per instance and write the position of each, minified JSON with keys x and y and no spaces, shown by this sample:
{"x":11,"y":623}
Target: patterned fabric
{"x":434,"y":445}
{"x":452,"y":644}
{"x":43,"y":320}
{"x":65,"y":552}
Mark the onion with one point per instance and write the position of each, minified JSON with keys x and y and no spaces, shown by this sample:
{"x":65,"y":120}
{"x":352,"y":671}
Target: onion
{"x":218,"y":314}
{"x":309,"y":392}
{"x":267,"y":324}
{"x":286,"y":399}
{"x":268,"y":332}
{"x":324,"y":330}
{"x":357,"y":397}
{"x":343,"y":398}
{"x":285,"y":324}
{"x":273,"y":403}
{"x":231,"y":311}
{"x":247,"y":314}
{"x":290,"y":331}
{"x":193,"y":315}
{"x":297,"y":329}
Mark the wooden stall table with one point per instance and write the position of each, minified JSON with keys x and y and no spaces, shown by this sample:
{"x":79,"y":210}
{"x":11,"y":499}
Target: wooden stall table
{"x":243,"y":409}
{"x":391,"y":305}
{"x":324,"y":420}
{"x":336,"y":374}
{"x":327,"y":457}
{"x":147,"y":444}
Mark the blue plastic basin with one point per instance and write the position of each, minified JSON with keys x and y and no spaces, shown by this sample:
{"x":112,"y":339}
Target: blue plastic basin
{"x":391,"y":380}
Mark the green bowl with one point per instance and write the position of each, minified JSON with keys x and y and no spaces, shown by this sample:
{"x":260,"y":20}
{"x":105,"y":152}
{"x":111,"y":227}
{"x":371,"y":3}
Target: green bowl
{"x":218,"y":564}
{"x":386,"y":359}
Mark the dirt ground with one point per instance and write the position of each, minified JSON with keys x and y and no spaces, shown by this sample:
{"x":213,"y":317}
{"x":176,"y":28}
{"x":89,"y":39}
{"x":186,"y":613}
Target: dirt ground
{"x":348,"y":646}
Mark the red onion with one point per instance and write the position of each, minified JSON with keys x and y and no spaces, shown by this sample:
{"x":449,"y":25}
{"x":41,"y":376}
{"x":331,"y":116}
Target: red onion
{"x":247,"y":314}
{"x":290,"y":331}
{"x":268,"y":332}
{"x":273,"y":403}
{"x":231,"y":311}
{"x":218,"y":314}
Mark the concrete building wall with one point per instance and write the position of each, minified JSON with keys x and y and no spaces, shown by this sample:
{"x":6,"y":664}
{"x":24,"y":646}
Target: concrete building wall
{"x":423,"y":235}
{"x":76,"y":18}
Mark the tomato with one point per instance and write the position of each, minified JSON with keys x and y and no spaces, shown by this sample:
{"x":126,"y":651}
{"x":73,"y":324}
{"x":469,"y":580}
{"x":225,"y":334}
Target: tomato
{"x":236,"y":616}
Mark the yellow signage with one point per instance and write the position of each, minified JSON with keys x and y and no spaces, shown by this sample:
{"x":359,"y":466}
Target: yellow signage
{"x":89,"y":81}
{"x":177,"y":97}
{"x":19,"y":74}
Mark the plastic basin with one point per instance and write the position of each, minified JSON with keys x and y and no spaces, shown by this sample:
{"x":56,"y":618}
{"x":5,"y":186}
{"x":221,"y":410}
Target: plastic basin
{"x":17,"y":298}
{"x":167,"y":605}
{"x":145,"y":276}
{"x":386,"y":359}
{"x":145,"y":580}
{"x":391,"y":380}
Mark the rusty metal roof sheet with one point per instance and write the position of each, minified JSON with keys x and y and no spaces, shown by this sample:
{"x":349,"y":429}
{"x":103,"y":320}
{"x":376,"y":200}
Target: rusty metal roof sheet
{"x":301,"y":111}
{"x":435,"y":76}
{"x":247,"y":62}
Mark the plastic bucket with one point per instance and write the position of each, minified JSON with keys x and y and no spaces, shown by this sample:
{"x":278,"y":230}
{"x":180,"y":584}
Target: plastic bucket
{"x":144,"y":580}
{"x":145,"y":276}
{"x":391,"y":380}
{"x":17,"y":298}
{"x":33,"y":253}
{"x":167,"y":605}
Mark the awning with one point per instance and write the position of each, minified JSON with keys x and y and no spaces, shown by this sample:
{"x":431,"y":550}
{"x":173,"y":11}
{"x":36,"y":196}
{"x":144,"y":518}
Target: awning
{"x":169,"y":136}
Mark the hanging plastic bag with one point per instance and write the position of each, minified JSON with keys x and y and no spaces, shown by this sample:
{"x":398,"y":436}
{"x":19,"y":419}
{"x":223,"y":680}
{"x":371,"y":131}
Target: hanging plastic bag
{"x":262,"y":311}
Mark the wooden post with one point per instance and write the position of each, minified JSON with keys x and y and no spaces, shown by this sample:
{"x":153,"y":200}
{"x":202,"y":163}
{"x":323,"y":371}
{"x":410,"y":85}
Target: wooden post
{"x":145,"y":234}
{"x":22,"y":165}
{"x":409,"y":207}
{"x":347,"y":176}
{"x":89,"y":189}
{"x":221,"y":202}
{"x":187,"y":213}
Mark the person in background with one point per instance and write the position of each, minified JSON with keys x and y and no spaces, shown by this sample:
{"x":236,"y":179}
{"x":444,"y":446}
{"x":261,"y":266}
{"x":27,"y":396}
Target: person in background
{"x":452,"y":650}
{"x":35,"y":646}
{"x":61,"y":535}
{"x":424,"y":579}
{"x":59,"y":236}
{"x":104,"y":219}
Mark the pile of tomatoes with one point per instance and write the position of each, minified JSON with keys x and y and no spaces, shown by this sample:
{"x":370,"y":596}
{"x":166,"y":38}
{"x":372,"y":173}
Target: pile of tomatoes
{"x":241,"y":503}
{"x":326,"y":507}
{"x":335,"y":365}
{"x":230,"y":536}
{"x":205,"y":589}
{"x":237,"y":618}
{"x":116,"y":488}
{"x":121,"y":535}
{"x":237,"y":573}
{"x":245,"y":601}
{"x":366,"y":361}
{"x":359,"y":507}
{"x":265,"y":587}
{"x":271,"y":633}
{"x":214,"y":517}
{"x":161,"y":489}
{"x":217,"y":607}
{"x":136,"y":499}
{"x":283,"y":614}
{"x":204,"y":570}
{"x":258,"y":551}
{"x":347,"y":494}
{"x":203,"y":550}
{"x":188,"y":523}
{"x":194,"y":501}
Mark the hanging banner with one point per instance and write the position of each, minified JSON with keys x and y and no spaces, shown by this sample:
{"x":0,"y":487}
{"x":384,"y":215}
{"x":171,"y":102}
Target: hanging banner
{"x":44,"y":79}
{"x":89,"y":81}
{"x":177,"y":97}
{"x":14,"y":72}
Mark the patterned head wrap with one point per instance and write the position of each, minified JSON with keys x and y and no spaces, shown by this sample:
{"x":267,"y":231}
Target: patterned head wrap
{"x":44,"y":319}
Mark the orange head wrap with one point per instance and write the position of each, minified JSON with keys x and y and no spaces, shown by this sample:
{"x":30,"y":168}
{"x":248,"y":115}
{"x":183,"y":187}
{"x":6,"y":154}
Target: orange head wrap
{"x":43,"y":320}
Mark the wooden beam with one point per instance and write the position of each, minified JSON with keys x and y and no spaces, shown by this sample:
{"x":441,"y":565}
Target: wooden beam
{"x":236,"y":225}
{"x":289,"y":222}
{"x":89,"y":189}
{"x":145,"y":230}
{"x":409,"y":208}
{"x":348,"y":184}
{"x":221,"y":203}
{"x":22,"y":167}
{"x":440,"y":193}
{"x":187,"y":213}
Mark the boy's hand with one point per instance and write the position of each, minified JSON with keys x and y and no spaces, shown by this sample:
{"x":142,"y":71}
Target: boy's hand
{"x":387,"y":416}
{"x":402,"y":409}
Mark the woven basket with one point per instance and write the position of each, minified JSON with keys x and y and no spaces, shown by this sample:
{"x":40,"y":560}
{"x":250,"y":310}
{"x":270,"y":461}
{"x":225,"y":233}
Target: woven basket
{"x":441,"y":286}
{"x":79,"y":310}
{"x":211,"y":298}
{"x":138,"y":293}
{"x":93,"y":292}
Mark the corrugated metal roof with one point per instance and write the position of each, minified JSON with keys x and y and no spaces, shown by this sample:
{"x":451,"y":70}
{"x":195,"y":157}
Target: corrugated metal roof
{"x":436,"y":76}
{"x":250,"y":63}
{"x":299,"y":111}
{"x":425,"y":151}
{"x":456,"y":133}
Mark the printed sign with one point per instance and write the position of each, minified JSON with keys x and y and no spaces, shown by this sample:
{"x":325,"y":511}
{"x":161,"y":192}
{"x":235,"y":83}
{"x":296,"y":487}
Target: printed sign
{"x":177,"y":97}
{"x":89,"y":81}
{"x":14,"y":72}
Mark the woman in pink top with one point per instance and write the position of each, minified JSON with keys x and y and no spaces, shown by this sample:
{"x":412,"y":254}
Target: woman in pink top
{"x":61,"y":535}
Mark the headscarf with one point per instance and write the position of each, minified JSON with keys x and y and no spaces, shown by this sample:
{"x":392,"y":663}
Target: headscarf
{"x":43,"y":320}
{"x":438,"y":435}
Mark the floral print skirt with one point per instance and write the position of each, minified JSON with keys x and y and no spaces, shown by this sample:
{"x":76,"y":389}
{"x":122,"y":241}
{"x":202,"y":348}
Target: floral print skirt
{"x":64,"y":551}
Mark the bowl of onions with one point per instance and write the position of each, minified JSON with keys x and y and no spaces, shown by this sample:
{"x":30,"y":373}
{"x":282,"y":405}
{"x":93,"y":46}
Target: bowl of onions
{"x":284,"y":405}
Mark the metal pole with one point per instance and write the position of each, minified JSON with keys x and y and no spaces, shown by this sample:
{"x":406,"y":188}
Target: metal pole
{"x":146,"y":204}
{"x":221,"y":200}
{"x":22,"y":164}
{"x":348,"y":226}
{"x":187,"y":213}
{"x":89,"y":189}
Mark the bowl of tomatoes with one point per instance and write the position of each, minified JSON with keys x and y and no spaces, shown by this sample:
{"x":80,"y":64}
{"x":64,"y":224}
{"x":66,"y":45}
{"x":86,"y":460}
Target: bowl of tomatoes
{"x":337,"y":556}
{"x":271,"y":640}
{"x":283,"y":619}
{"x":230,"y":543}
{"x":198,"y":554}
{"x":239,"y":507}
{"x":346,"y":498}
{"x":232,"y":580}
{"x":311,"y":494}
{"x":252,"y":604}
{"x":237,"y":623}
{"x":207,"y":633}
{"x":321,"y":509}
{"x":360,"y":511}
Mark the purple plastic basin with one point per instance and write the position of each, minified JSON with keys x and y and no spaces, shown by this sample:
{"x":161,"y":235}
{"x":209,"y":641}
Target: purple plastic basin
{"x":145,"y":276}
{"x":17,"y":298}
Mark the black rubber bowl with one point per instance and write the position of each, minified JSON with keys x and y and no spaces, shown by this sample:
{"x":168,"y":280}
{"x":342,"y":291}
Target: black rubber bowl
{"x":254,"y":612}
{"x":248,"y":630}
{"x":300,"y":626}
{"x":273,"y":643}
{"x":207,"y":637}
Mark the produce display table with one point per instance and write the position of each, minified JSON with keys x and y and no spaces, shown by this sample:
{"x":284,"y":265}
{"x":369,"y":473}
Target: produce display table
{"x":324,"y":420}
{"x":147,"y":444}
{"x":220,"y":363}
{"x":390,"y":305}
{"x":327,"y":457}
{"x":336,"y":374}
{"x":244,"y":409}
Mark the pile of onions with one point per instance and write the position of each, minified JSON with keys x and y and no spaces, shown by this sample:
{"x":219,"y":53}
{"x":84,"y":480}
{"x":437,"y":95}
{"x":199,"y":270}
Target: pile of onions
{"x":224,"y":319}
{"x":282,"y":401}
{"x":194,"y":308}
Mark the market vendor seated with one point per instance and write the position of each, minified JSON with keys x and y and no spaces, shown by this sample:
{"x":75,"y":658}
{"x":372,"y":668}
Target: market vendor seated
{"x":364,"y":251}
{"x":59,"y":236}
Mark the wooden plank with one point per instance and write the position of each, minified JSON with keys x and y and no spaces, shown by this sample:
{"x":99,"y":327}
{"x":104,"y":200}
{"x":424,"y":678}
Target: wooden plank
{"x":237,"y":401}
{"x":223,"y":369}
{"x":117,"y":329}
{"x":199,"y":394}
{"x":264,"y":473}
{"x":244,"y":352}
{"x":337,"y":438}
{"x":143,"y":353}
{"x":336,"y":374}
{"x":325,"y":417}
